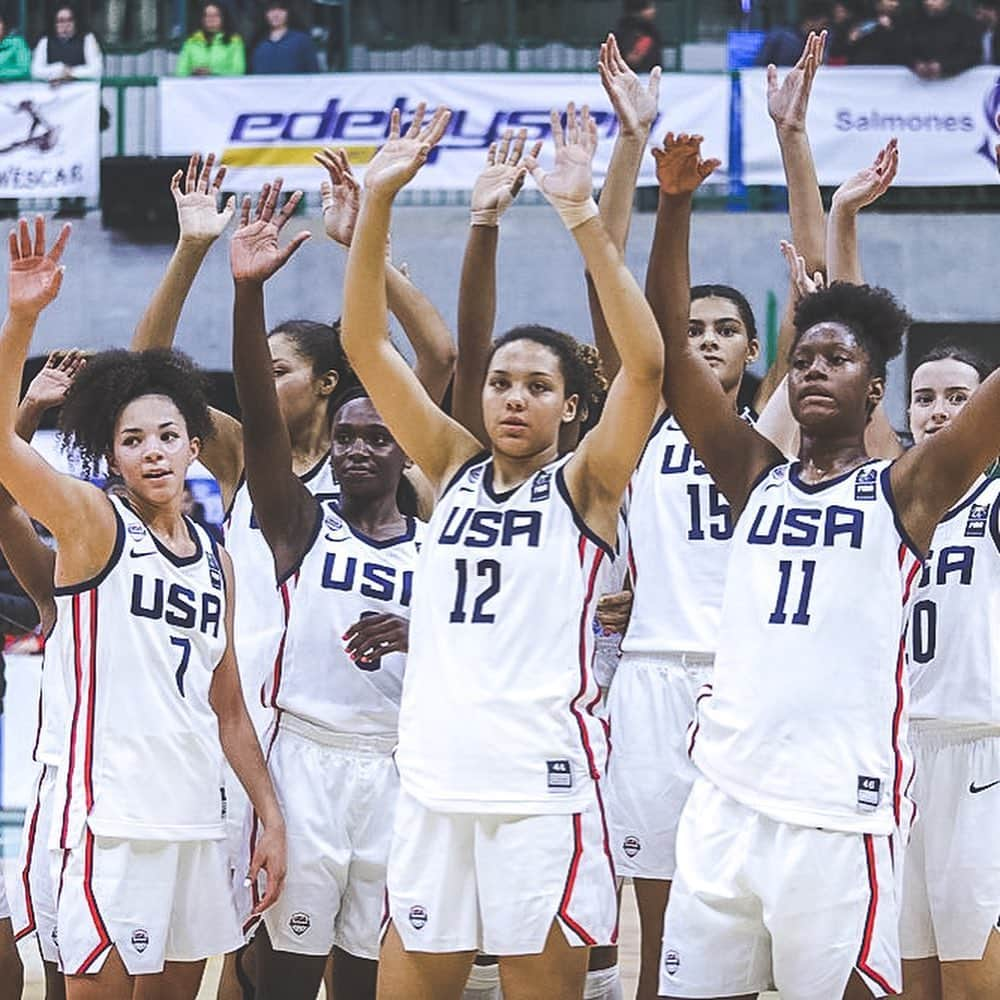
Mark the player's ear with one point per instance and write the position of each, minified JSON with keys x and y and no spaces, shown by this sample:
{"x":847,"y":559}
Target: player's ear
{"x":753,"y":350}
{"x":570,"y":406}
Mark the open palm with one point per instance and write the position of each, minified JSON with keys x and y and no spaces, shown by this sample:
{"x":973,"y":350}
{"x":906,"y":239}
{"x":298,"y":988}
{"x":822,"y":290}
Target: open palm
{"x":398,"y":161}
{"x":255,"y":254}
{"x":340,"y":196}
{"x":635,"y":105}
{"x":679,"y":166}
{"x":788,"y":103}
{"x":198,"y":203}
{"x":870,"y":184}
{"x":35,"y":276}
{"x":571,"y":181}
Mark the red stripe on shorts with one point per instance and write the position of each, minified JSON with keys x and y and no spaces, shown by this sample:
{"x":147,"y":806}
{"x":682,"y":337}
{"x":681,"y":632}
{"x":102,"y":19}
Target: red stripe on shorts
{"x":104,"y":939}
{"x":567,"y":895}
{"x":866,"y":941}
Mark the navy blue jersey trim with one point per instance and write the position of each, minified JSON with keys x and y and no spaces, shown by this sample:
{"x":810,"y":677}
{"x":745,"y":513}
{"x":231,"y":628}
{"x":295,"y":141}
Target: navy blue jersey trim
{"x":761,"y":477}
{"x":297,"y":565}
{"x":306,"y":477}
{"x":385,"y":543}
{"x":793,"y":477}
{"x":584,"y":529}
{"x":995,"y":523}
{"x":955,"y":511}
{"x":494,"y":495}
{"x":116,"y":554}
{"x":462,"y":470}
{"x":886,"y":481}
{"x":215,"y":549}
{"x":232,"y":501}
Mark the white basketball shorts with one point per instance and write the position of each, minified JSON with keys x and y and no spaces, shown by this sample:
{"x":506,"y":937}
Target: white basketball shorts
{"x":951,"y":885}
{"x":338,"y":794}
{"x":758,"y":905}
{"x":495,"y":884}
{"x":650,"y":705}
{"x":32,"y":897}
{"x":155,"y":901}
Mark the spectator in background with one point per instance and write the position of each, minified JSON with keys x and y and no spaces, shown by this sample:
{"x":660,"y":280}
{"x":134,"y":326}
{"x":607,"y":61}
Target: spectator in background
{"x":282,"y":48}
{"x":195,"y":510}
{"x":68,"y":51}
{"x":215,"y":49}
{"x":15,"y":56}
{"x":987,"y":16}
{"x":843,"y":17}
{"x":783,"y":46}
{"x":879,"y":40}
{"x":638,"y":37}
{"x":142,"y":16}
{"x":940,"y":41}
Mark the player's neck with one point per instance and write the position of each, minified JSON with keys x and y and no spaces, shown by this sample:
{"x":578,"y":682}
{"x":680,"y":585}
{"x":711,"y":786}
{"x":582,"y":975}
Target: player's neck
{"x":826,"y":458}
{"x":310,"y":445}
{"x":166,"y":522}
{"x":509,"y":472}
{"x":376,"y":517}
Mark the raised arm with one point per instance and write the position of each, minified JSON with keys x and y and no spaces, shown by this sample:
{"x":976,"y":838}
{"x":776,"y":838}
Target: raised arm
{"x":429,"y":336}
{"x":788,"y":106}
{"x":201,"y":223}
{"x":865,"y":187}
{"x":494,"y":192}
{"x":636,"y":107}
{"x":601,"y":467}
{"x":438,"y":444}
{"x":285,"y":509}
{"x":733,"y":452}
{"x":60,"y":502}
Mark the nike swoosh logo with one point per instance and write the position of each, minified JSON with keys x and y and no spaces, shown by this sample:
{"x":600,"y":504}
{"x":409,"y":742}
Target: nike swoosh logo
{"x":976,"y":789}
{"x":139,"y":555}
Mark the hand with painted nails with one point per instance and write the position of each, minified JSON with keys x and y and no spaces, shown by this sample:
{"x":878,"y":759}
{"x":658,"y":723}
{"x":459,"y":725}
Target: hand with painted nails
{"x":34,"y":277}
{"x":374,"y":636}
{"x":398,"y":161}
{"x":869,"y":184}
{"x":201,"y":221}
{"x":254,"y":254}
{"x":680,"y":170}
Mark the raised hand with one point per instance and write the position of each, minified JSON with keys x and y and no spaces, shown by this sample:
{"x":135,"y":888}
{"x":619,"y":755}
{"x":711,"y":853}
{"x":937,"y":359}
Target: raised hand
{"x":569,"y":186}
{"x":398,"y":161}
{"x":679,"y":166}
{"x":254,"y":254}
{"x":787,"y":104}
{"x":501,"y":182}
{"x":198,"y":213}
{"x":49,"y":387}
{"x":35,"y":276}
{"x":870,"y":184}
{"x":635,"y":105}
{"x":340,"y":196}
{"x":802,"y":283}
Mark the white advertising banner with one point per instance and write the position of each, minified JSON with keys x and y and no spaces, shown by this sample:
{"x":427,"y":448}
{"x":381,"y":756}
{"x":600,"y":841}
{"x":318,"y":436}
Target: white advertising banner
{"x":267,"y":125}
{"x":947,"y":129}
{"x":49,"y":140}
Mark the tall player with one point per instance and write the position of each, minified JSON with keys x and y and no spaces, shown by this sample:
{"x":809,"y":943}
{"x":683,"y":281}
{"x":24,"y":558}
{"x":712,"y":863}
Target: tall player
{"x":346,"y":574}
{"x":499,"y":844}
{"x":147,"y":599}
{"x":33,"y":901}
{"x":950,"y":927}
{"x":785,"y":846}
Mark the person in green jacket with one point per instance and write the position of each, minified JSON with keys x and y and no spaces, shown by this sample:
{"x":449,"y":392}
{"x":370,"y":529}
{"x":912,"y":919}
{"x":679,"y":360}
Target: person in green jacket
{"x":215,"y":50}
{"x":15,"y":56}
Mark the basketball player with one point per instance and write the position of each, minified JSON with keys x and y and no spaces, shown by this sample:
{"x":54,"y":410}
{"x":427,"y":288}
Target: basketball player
{"x":146,"y":598}
{"x":785,"y":846}
{"x":33,"y":901}
{"x":499,"y":843}
{"x":346,"y":572}
{"x":950,"y":927}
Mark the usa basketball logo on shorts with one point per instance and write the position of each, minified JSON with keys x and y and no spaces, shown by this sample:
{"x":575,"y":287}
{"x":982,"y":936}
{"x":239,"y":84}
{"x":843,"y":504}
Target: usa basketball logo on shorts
{"x":140,"y":939}
{"x":418,"y":917}
{"x":299,"y":923}
{"x":671,"y":962}
{"x":975,"y":526}
{"x":631,"y":846}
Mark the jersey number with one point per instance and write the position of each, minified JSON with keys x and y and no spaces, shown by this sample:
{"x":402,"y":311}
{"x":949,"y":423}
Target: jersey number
{"x":717,"y":517}
{"x":786,"y":569}
{"x":487,"y":569}
{"x":184,"y":645}
{"x":924,"y":631}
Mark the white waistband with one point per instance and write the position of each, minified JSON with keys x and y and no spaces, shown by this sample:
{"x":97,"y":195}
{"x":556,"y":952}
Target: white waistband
{"x":942,"y":732}
{"x":686,"y":661}
{"x":380,"y":746}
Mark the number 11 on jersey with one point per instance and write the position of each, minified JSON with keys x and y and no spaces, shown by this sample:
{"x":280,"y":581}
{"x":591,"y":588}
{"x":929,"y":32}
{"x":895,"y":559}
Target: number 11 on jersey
{"x":789,"y":581}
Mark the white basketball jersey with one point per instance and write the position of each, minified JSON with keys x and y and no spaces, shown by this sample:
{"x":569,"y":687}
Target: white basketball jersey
{"x":259,"y":618}
{"x":343,"y":577}
{"x":806,"y":718}
{"x":142,"y":757}
{"x":497,"y":712}
{"x":679,"y":530}
{"x":53,"y":701}
{"x":954,"y":639}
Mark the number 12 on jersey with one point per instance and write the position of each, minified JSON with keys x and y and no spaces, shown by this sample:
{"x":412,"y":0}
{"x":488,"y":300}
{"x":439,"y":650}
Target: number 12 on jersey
{"x":796,"y":583}
{"x":484,"y":569}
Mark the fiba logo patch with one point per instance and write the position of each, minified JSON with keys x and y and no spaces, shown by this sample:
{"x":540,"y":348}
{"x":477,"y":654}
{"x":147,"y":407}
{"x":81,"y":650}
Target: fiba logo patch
{"x":631,"y":846}
{"x":418,"y":917}
{"x":140,"y":940}
{"x":299,"y":923}
{"x":671,"y":962}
